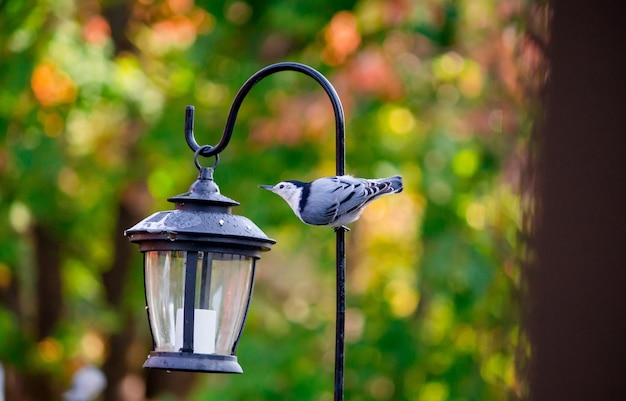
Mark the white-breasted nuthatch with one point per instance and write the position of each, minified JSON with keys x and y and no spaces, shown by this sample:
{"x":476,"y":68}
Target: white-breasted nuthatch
{"x":333,"y":201}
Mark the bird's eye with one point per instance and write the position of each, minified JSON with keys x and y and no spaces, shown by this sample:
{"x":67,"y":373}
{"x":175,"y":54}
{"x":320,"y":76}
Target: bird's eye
{"x":281,"y":186}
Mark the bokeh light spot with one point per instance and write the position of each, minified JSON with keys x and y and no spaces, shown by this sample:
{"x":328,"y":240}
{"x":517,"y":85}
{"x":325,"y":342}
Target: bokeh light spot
{"x":498,"y":368}
{"x":161,"y":183}
{"x":434,"y":391}
{"x":438,"y":320}
{"x":381,"y":388}
{"x":435,"y":160}
{"x":448,"y":66}
{"x":50,"y":350}
{"x":402,"y":298}
{"x":401,"y":120}
{"x":132,"y":388}
{"x":342,"y":38}
{"x":471,"y":80}
{"x":97,"y":31}
{"x":93,"y":346}
{"x":5,"y":275}
{"x":20,"y":217}
{"x":439,"y":192}
{"x":238,"y":12}
{"x":180,"y":6}
{"x":296,"y":309}
{"x":52,"y":86}
{"x":448,"y":95}
{"x":355,"y":323}
{"x":496,"y":120}
{"x":53,"y":124}
{"x":475,"y":215}
{"x":68,"y":181}
{"x":466,"y":339}
{"x":465,"y":163}
{"x":210,"y":93}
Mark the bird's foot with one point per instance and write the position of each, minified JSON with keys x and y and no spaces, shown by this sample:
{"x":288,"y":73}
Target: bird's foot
{"x":344,"y":228}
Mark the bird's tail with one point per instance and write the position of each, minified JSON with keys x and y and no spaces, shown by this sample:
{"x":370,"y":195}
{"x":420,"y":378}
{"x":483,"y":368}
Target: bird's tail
{"x":395,"y":182}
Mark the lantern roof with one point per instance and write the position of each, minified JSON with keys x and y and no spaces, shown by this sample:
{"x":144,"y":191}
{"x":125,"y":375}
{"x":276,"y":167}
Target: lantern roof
{"x":201,"y":217}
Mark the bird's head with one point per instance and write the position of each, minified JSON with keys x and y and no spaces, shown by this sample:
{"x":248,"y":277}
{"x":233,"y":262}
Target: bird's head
{"x":290,"y":191}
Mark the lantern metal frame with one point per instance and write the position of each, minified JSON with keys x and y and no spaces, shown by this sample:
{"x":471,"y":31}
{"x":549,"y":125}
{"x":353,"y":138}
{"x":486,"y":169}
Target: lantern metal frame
{"x":209,"y":151}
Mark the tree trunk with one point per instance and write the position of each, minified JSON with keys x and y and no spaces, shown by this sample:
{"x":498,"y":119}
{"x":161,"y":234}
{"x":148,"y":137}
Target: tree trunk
{"x":49,"y":303}
{"x":116,"y":365}
{"x":577,"y":286}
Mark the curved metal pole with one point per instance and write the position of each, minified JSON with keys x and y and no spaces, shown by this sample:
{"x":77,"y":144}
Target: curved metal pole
{"x":340,"y":154}
{"x":245,"y":89}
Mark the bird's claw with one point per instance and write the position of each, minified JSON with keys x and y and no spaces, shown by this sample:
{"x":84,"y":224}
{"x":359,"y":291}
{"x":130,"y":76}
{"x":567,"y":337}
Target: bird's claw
{"x":344,"y":228}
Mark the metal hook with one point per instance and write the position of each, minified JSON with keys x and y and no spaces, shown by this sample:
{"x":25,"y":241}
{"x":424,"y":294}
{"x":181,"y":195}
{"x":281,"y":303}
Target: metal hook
{"x":205,"y":150}
{"x":208,"y":150}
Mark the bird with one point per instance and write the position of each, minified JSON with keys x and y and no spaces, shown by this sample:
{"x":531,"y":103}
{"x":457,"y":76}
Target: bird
{"x":333,"y":201}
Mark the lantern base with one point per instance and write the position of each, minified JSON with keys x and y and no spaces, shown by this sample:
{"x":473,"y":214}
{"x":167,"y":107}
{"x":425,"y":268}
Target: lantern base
{"x":190,"y":362}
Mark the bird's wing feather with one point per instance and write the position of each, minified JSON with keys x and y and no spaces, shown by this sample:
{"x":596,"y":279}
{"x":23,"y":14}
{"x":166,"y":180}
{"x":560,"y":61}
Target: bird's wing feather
{"x":359,"y":192}
{"x":322,"y":203}
{"x":319,"y":215}
{"x":338,"y":196}
{"x":353,"y":195}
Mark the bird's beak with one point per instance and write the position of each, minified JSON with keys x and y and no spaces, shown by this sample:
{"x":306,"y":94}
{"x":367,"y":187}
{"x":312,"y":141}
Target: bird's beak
{"x":268,"y":187}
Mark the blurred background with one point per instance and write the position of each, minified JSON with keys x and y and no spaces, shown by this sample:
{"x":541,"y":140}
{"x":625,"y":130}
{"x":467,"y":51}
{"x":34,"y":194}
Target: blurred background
{"x":92,"y":100}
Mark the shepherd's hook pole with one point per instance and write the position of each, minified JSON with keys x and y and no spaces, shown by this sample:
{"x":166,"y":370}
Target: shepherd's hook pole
{"x":340,"y":154}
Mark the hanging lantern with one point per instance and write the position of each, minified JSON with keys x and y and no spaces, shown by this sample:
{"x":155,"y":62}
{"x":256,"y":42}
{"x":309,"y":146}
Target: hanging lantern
{"x":199,"y":262}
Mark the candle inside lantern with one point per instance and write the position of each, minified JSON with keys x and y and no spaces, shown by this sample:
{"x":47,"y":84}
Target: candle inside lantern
{"x":204,"y":330}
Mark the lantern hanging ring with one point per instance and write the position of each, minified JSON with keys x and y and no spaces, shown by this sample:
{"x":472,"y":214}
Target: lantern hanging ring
{"x":205,"y":148}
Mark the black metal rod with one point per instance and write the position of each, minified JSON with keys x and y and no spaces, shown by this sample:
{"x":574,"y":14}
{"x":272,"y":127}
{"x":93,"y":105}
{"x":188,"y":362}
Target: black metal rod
{"x":191,"y":268}
{"x":205,"y":281}
{"x":340,"y":260}
{"x":340,"y":169}
{"x":340,"y":314}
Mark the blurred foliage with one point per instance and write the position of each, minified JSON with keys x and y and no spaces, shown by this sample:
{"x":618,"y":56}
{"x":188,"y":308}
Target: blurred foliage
{"x":92,"y":98}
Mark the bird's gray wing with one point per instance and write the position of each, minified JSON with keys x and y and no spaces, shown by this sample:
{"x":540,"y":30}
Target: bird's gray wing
{"x":355,"y":193}
{"x":336,"y":196}
{"x":319,"y":211}
{"x":324,"y":199}
{"x":332,"y":197}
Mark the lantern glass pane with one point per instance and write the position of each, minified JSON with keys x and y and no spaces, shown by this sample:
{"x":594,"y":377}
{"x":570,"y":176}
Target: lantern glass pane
{"x":165,"y":283}
{"x":223,"y":286}
{"x":222,"y":294}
